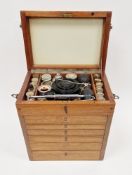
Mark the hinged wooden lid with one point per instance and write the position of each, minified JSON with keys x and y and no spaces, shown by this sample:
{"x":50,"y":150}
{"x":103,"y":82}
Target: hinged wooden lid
{"x":66,"y":39}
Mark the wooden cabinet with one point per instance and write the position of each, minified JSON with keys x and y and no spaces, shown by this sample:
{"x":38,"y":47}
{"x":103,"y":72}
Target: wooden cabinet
{"x":60,"y":42}
{"x":66,"y":132}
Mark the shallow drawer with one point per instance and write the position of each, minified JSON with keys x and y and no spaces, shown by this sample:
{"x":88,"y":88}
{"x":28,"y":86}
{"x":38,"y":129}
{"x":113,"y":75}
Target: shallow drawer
{"x":65,"y":119}
{"x":85,"y":109}
{"x":65,"y":146}
{"x":44,"y":110}
{"x":87,"y":119}
{"x":66,"y":132}
{"x":40,"y":139}
{"x":61,"y":126}
{"x":44,"y":119}
{"x":65,"y":155}
{"x":62,"y":109}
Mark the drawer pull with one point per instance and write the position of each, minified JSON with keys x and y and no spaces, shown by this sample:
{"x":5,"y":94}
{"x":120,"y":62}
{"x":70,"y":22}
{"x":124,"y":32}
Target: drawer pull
{"x":65,"y":109}
{"x":66,"y":154}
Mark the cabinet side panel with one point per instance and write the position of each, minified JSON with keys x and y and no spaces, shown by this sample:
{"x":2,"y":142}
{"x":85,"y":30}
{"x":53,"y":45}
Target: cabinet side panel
{"x":23,"y":126}
{"x":105,"y":139}
{"x":24,"y":87}
{"x":109,"y":118}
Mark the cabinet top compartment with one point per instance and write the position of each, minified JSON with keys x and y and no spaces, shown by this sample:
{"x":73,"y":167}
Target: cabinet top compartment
{"x":66,"y":39}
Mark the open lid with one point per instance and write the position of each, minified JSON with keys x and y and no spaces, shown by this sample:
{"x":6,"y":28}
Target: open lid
{"x":66,"y":39}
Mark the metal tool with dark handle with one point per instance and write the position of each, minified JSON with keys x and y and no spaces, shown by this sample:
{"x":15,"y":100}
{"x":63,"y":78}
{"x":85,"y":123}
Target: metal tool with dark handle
{"x":61,"y":96}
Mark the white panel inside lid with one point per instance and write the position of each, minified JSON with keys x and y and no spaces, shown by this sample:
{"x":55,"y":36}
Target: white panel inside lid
{"x":67,"y":41}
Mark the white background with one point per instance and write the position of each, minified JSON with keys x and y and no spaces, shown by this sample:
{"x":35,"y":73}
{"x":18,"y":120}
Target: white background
{"x":13,"y":156}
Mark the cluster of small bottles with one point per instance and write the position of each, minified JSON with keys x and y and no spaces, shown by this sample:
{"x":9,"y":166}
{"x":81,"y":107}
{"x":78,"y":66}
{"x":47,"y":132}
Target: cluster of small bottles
{"x":99,"y":87}
{"x":32,"y":87}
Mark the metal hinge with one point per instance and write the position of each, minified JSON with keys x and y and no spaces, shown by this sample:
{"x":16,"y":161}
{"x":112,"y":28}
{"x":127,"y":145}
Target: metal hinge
{"x":14,"y":95}
{"x":116,"y":96}
{"x":67,"y":15}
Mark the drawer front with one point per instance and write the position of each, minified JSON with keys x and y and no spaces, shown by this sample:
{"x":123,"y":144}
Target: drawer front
{"x":44,"y":110}
{"x":44,"y":139}
{"x":65,"y":155}
{"x":65,"y":132}
{"x":75,"y":126}
{"x":37,"y":119}
{"x":61,"y":109}
{"x":84,"y":109}
{"x":44,"y":119}
{"x":87,"y":120}
{"x":65,"y":146}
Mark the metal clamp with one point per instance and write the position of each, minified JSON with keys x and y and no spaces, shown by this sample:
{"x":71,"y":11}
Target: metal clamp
{"x":116,"y":96}
{"x":14,"y":95}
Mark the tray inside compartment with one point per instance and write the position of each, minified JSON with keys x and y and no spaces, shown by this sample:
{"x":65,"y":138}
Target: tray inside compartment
{"x":66,"y":86}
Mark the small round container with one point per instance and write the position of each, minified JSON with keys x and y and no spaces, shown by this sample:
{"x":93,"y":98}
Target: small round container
{"x":99,"y":89}
{"x":57,"y":77}
{"x":34,"y":83}
{"x":46,"y":77}
{"x":100,"y":98}
{"x":34,"y":79}
{"x":100,"y":94}
{"x":29,"y":94}
{"x":71,"y":76}
{"x":99,"y":84}
{"x":97,"y":80}
{"x":96,"y":76}
{"x":43,"y":89}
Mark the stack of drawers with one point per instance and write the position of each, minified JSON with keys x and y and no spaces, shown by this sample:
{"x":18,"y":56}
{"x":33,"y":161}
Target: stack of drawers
{"x":65,"y":132}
